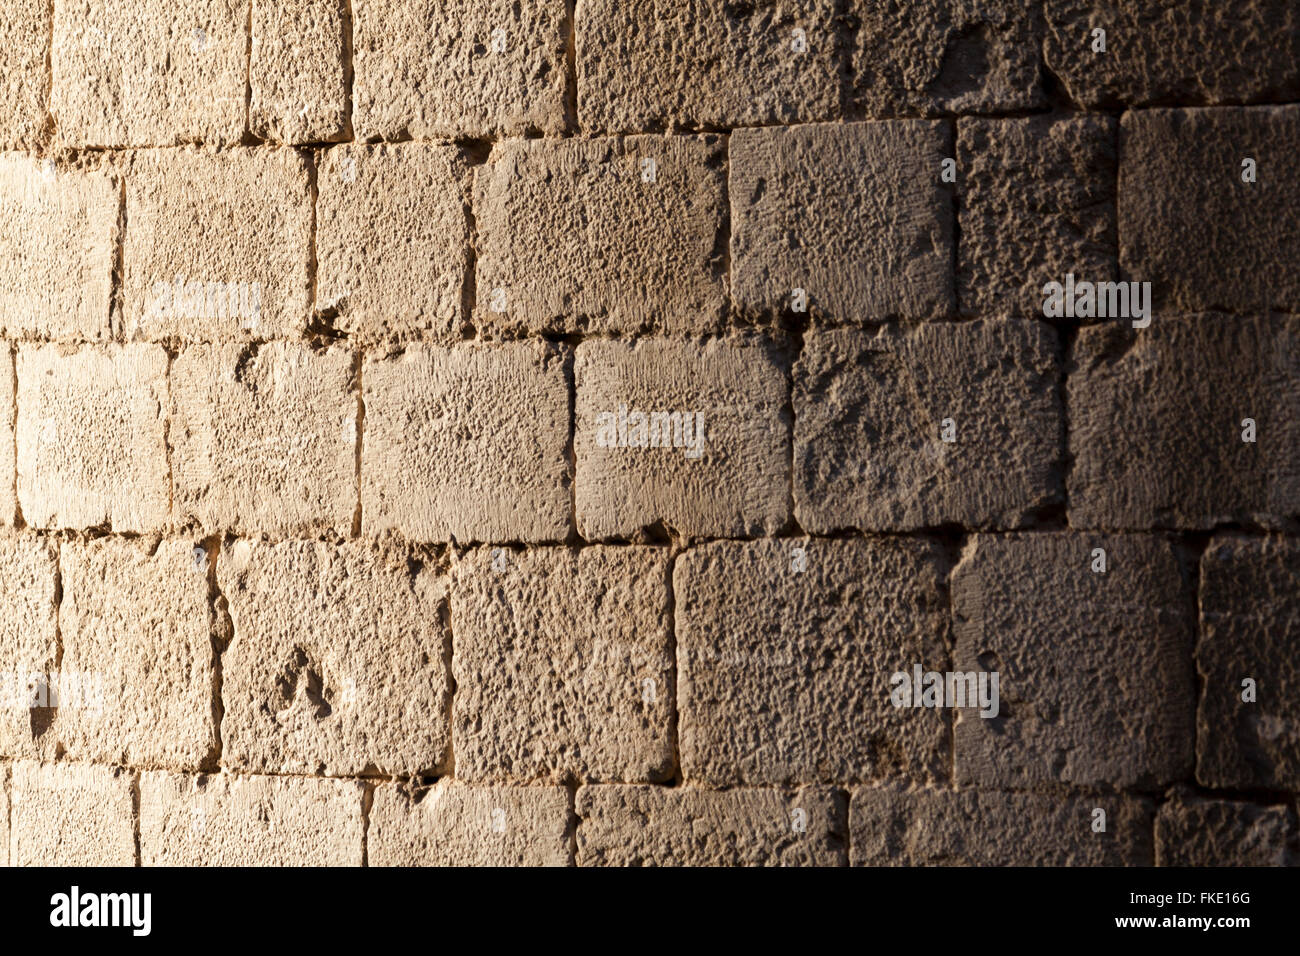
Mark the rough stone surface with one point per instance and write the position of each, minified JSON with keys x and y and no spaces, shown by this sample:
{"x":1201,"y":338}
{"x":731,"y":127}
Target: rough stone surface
{"x":58,"y":235}
{"x":870,"y":418}
{"x":441,"y":69}
{"x":1249,"y":629}
{"x":945,"y":56}
{"x":1157,"y":423}
{"x":1194,"y":832}
{"x":725,"y":471}
{"x":338,"y":662}
{"x":853,"y":214}
{"x":1036,"y":201}
{"x":249,"y":821}
{"x":91,"y":437}
{"x":1189,"y":224}
{"x":391,"y":239}
{"x":563,"y":665}
{"x":623,"y":254}
{"x":135,"y":625}
{"x":1096,"y":684}
{"x":892,"y":827}
{"x":24,"y":76}
{"x":657,"y":826}
{"x":219,"y":244}
{"x":8,"y":450}
{"x":671,"y":64}
{"x":70,"y":814}
{"x":28,"y":643}
{"x":455,"y":825}
{"x":297,"y":76}
{"x":150,"y":73}
{"x":264,"y":438}
{"x":1190,"y":52}
{"x":784,"y":674}
{"x":467,"y":444}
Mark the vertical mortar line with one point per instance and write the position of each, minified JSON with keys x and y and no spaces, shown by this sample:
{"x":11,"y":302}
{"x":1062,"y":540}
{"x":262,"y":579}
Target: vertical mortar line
{"x":117,"y":278}
{"x":135,"y":817}
{"x":12,"y":350}
{"x":248,"y":69}
{"x":448,"y":768}
{"x":572,"y":791}
{"x":359,"y":431}
{"x":571,"y":68}
{"x":670,"y":609}
{"x":349,"y":69}
{"x":221,"y":631}
{"x":367,"y":801}
{"x":168,"y":350}
{"x":48,"y":129}
{"x":954,"y":209}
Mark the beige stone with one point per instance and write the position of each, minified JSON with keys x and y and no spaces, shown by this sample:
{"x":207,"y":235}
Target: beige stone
{"x":149,"y":73}
{"x":219,"y":244}
{"x":24,"y":73}
{"x":58,"y":240}
{"x":4,"y":812}
{"x":661,"y":826}
{"x":853,"y":214}
{"x":28,"y":644}
{"x":91,"y":437}
{"x":70,"y":814}
{"x":339,"y":660}
{"x":296,"y":80}
{"x":264,"y":438}
{"x":442,"y":69}
{"x":454,"y":825}
{"x":1194,"y":832}
{"x":724,"y":471}
{"x":892,"y":827}
{"x":667,"y":64}
{"x":467,"y":444}
{"x":632,"y":228}
{"x":249,"y":821}
{"x":784,"y":655}
{"x":136,"y":634}
{"x":563,"y":665}
{"x":392,"y":239}
{"x":8,"y":466}
{"x":871,"y":415}
{"x":1094,"y":667}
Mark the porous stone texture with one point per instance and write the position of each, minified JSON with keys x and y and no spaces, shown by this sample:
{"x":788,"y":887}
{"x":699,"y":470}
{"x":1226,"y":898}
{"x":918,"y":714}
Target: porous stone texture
{"x":945,"y":56}
{"x":249,"y":821}
{"x":338,"y":661}
{"x":135,"y":632}
{"x":1158,"y":422}
{"x":1188,"y":222}
{"x":1096,"y":684}
{"x":58,"y":235}
{"x":1249,"y":631}
{"x":854,"y":214}
{"x":1036,"y":202}
{"x":691,"y":438}
{"x":8,"y":449}
{"x":220,"y":244}
{"x":874,"y":414}
{"x":451,"y":824}
{"x":894,"y":827}
{"x":28,"y":644}
{"x":150,"y":73}
{"x":264,"y":438}
{"x":391,"y":236}
{"x":24,"y":76}
{"x":91,"y":446}
{"x":632,"y":228}
{"x":442,"y":69}
{"x":655,"y":826}
{"x":297,"y":76}
{"x":467,"y":444}
{"x":1195,"y":832}
{"x":563,"y":665}
{"x":699,"y":64}
{"x":70,"y":814}
{"x":1190,"y":52}
{"x":785,"y":650}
